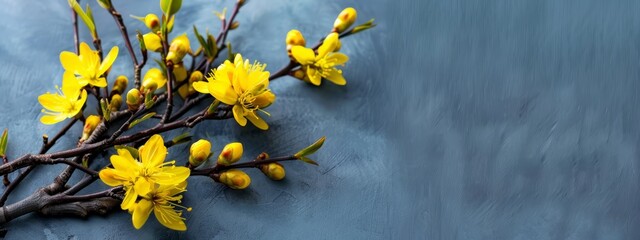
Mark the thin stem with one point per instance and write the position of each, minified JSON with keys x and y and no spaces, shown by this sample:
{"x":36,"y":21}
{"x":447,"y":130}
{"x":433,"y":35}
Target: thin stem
{"x":45,"y":147}
{"x":123,"y":30}
{"x":76,"y":38}
{"x":252,"y":164}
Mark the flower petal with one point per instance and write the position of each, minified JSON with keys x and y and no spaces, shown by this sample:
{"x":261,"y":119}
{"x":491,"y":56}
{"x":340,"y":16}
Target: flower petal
{"x":124,"y":164}
{"x":172,"y":175}
{"x":238,"y":114}
{"x":338,"y":58}
{"x":129,"y":200}
{"x":69,"y":61}
{"x":99,"y":82}
{"x":70,"y":86}
{"x":52,"y":119}
{"x":223,"y":91}
{"x":314,"y":77}
{"x":257,"y":121}
{"x":328,"y":45}
{"x":108,"y":60}
{"x":169,"y":218}
{"x":142,"y":186}
{"x":153,"y":152}
{"x":112,"y":177}
{"x":303,"y":55}
{"x":53,"y":102}
{"x":201,"y":87}
{"x":265,"y":99}
{"x":335,"y":76}
{"x":141,"y":213}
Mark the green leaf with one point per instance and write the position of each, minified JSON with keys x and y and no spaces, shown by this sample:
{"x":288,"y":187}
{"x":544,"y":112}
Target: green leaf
{"x":142,"y":119}
{"x":367,"y":25}
{"x":106,"y":111}
{"x":86,"y":19}
{"x":170,"y":7}
{"x":310,"y":149}
{"x":143,"y":47}
{"x":141,"y":19}
{"x":204,"y":45}
{"x":90,"y":13}
{"x":182,"y":138}
{"x":132,"y":150}
{"x":3,"y":142}
{"x":230,"y":53}
{"x":106,"y":4}
{"x":308,"y":160}
{"x":211,"y":41}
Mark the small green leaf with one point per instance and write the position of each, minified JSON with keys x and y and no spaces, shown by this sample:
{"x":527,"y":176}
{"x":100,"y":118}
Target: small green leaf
{"x":106,"y":4}
{"x":132,"y":150}
{"x":367,"y":25}
{"x":308,"y":160}
{"x":104,"y":106}
{"x":142,"y":119}
{"x":87,"y":21}
{"x":182,"y":138}
{"x":311,"y":148}
{"x":141,"y":19}
{"x":3,"y":142}
{"x":170,"y":7}
{"x":143,"y":47}
{"x":211,"y":41}
{"x":230,"y":55}
{"x":89,"y":13}
{"x":204,"y":45}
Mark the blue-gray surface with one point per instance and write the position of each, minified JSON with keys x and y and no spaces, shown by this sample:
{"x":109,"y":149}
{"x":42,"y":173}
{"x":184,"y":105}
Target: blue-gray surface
{"x":462,"y":119}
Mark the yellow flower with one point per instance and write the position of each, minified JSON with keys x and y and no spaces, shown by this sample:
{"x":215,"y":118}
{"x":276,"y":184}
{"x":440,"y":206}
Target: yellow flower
{"x":162,"y":200}
{"x":87,"y":67}
{"x":64,"y":104}
{"x":323,"y":64}
{"x":139,"y":177}
{"x":243,"y":86}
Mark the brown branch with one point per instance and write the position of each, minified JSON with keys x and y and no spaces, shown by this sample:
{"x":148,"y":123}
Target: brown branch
{"x":252,"y":164}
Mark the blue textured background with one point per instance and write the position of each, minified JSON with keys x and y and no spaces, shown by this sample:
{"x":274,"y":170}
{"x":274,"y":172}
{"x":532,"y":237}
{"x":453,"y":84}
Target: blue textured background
{"x":461,"y":119}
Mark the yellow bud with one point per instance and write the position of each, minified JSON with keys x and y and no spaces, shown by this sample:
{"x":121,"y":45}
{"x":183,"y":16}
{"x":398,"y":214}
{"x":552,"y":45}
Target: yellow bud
{"x":199,"y":152}
{"x":180,"y":72}
{"x":115,"y":103}
{"x":345,"y":19}
{"x":196,"y":76}
{"x":134,"y":99}
{"x":236,"y":179}
{"x":230,"y":154}
{"x":299,"y":74}
{"x":187,"y":89}
{"x":152,"y":42}
{"x":295,"y":38}
{"x":90,"y":124}
{"x":275,"y":171}
{"x":178,"y":49}
{"x":149,"y":86}
{"x":155,"y":75}
{"x":120,"y":84}
{"x":152,"y":22}
{"x":234,"y":25}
